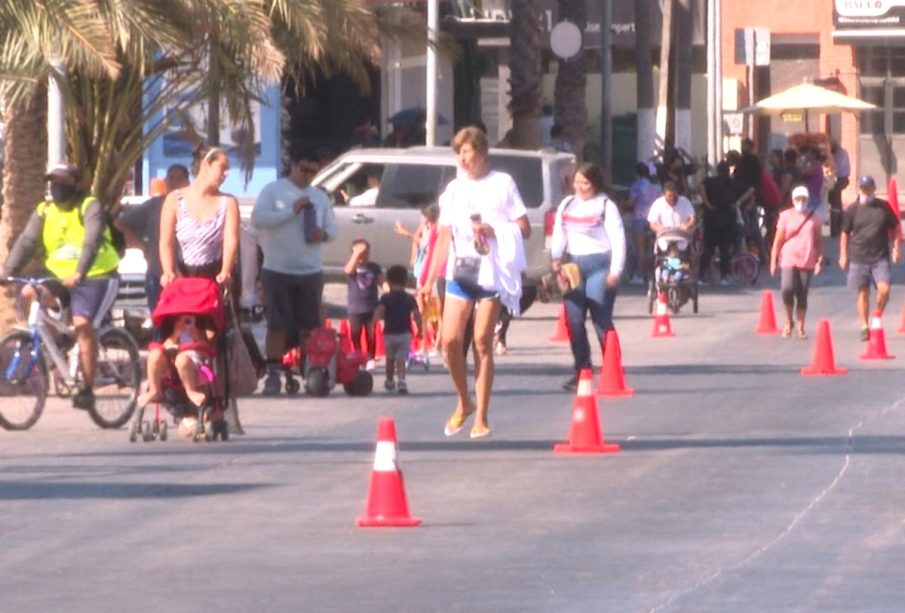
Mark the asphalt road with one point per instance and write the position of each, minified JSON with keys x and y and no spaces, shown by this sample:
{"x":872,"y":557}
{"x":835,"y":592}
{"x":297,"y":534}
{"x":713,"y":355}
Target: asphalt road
{"x":741,"y":486}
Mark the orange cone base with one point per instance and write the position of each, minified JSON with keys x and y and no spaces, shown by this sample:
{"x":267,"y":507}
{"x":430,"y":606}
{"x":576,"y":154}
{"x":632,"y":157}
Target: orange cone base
{"x":873,"y":355}
{"x":568,"y":448}
{"x":661,"y":332}
{"x":387,"y":522}
{"x":810,"y":371}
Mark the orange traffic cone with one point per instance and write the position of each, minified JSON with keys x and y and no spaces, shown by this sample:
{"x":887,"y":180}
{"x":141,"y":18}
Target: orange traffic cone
{"x":380,"y":350}
{"x":767,"y":322}
{"x":585,"y":435}
{"x":876,"y":342}
{"x":561,"y":334}
{"x":387,"y":505}
{"x":345,"y":329}
{"x":661,"y":319}
{"x":824,"y":363}
{"x":612,"y":374}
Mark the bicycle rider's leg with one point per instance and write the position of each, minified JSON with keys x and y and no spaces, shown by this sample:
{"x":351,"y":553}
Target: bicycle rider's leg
{"x":90,"y":301}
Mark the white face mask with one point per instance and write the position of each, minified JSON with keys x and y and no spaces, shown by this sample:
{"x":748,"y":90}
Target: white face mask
{"x":800,"y":205}
{"x":864,"y":199}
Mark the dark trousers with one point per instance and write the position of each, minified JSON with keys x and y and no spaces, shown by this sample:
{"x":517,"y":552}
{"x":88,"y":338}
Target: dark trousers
{"x":835,"y":198}
{"x":357,"y":321}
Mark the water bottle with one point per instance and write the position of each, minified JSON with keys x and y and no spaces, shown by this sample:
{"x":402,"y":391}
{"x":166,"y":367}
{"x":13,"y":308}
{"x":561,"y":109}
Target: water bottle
{"x":480,"y":240}
{"x":309,"y":218}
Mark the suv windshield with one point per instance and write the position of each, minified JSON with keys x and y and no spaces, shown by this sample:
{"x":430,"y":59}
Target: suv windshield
{"x":413,"y":185}
{"x":528,"y":174}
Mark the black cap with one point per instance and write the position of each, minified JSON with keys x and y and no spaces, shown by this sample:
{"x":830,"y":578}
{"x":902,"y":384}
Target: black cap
{"x":867,"y":181}
{"x":63,"y":173}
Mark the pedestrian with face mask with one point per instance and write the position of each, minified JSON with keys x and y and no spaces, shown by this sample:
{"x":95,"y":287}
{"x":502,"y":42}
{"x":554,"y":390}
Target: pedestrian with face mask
{"x":868,"y":228}
{"x":72,"y":228}
{"x":798,"y":255}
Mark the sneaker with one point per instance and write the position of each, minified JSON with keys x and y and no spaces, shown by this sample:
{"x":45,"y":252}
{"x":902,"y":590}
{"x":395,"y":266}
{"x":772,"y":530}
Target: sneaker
{"x":865,"y":334}
{"x":83,"y":399}
{"x":271,"y":384}
{"x":402,"y":388}
{"x":724,"y":281}
{"x":370,"y":365}
{"x":389,"y":385}
{"x":571,"y":384}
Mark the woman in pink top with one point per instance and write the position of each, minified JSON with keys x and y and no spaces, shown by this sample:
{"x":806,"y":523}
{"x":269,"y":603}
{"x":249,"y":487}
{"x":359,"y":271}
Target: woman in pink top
{"x":798,"y":254}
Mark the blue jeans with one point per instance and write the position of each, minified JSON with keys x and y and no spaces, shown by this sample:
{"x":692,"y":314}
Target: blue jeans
{"x":592,"y":295}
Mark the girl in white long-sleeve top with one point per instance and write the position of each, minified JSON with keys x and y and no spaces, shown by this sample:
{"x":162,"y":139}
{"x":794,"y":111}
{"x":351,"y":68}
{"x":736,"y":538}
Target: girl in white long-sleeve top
{"x":588,"y":232}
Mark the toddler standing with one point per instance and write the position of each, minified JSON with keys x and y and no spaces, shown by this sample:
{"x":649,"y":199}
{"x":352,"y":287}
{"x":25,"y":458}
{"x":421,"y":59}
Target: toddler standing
{"x":365,"y":277}
{"x":397,"y":308}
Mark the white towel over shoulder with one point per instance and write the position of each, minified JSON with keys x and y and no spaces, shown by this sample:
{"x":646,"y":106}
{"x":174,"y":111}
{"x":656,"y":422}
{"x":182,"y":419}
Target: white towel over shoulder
{"x":509,"y":264}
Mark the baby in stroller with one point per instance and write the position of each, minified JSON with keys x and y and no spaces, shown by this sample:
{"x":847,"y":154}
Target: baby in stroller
{"x":673,"y":274}
{"x":181,"y":375}
{"x":674,"y":265}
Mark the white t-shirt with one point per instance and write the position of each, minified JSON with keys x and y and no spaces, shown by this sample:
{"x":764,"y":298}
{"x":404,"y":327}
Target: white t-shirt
{"x":494,"y":197}
{"x":669,"y":216}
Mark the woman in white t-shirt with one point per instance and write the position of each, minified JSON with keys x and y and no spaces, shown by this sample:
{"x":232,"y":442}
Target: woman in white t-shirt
{"x":588,"y":232}
{"x":480,"y":231}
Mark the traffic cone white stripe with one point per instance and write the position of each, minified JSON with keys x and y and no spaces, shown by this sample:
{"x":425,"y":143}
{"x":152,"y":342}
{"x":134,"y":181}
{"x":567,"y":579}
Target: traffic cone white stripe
{"x":585,"y":387}
{"x":385,"y":457}
{"x":875,"y":323}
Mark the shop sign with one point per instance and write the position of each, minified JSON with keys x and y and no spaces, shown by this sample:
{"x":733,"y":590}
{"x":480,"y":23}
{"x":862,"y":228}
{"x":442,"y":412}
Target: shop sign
{"x":873,"y":14}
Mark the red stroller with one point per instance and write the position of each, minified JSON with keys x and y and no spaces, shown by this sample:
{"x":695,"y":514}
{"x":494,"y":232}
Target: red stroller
{"x":202,"y":299}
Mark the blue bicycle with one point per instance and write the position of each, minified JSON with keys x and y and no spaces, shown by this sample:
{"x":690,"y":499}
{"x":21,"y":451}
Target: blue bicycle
{"x":46,"y":351}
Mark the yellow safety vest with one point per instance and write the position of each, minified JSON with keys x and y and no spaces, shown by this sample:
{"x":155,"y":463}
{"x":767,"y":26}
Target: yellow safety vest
{"x":64,"y":236}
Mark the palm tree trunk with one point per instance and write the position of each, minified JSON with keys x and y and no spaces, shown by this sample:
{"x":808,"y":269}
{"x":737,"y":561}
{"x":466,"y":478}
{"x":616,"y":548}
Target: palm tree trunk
{"x":570,"y":108}
{"x":684,"y":25}
{"x":645,"y":81}
{"x":525,"y":80}
{"x":663,"y":107}
{"x":25,"y":153}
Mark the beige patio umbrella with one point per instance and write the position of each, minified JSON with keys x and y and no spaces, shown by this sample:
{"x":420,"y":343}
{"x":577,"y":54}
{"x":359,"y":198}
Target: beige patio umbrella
{"x":808,"y":98}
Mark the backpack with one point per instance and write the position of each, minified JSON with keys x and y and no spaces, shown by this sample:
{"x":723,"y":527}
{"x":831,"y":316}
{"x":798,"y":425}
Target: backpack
{"x":117,"y":238}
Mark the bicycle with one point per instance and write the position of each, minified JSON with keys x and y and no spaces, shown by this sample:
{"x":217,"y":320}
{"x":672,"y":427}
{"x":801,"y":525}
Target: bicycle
{"x":47,"y":350}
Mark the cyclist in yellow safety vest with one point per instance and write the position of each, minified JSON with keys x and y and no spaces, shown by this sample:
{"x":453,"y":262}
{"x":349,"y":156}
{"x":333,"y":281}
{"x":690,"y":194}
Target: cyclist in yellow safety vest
{"x":80,"y":253}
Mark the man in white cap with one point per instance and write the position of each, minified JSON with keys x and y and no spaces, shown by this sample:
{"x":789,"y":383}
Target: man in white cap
{"x":81,"y":254}
{"x":868,"y":228}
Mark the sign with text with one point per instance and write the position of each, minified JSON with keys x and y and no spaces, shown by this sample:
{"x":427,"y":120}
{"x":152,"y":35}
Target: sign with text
{"x":869,"y":14}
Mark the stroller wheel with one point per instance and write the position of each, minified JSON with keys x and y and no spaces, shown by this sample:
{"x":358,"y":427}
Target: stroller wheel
{"x":147,"y":434}
{"x":133,"y":431}
{"x":162,"y":436}
{"x":224,"y":430}
{"x":292,"y":385}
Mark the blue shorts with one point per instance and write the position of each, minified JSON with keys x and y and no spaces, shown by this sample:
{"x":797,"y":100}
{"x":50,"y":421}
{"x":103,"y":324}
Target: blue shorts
{"x":861,"y":276}
{"x":92,"y":298}
{"x":454,"y":288}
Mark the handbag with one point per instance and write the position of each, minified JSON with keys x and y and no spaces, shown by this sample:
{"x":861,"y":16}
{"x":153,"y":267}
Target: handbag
{"x":241,"y":374}
{"x":466,"y":272}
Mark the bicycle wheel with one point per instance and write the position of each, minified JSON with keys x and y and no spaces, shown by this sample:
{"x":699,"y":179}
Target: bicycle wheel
{"x":118,"y":378}
{"x":23,"y":382}
{"x":745,"y":268}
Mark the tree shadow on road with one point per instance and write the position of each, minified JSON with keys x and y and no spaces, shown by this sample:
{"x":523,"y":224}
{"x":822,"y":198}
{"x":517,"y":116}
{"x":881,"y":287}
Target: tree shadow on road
{"x":55,"y":490}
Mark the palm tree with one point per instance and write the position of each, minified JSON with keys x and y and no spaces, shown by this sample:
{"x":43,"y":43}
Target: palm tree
{"x":570,"y":109}
{"x":645,"y":80}
{"x":525,"y":78}
{"x":136,"y":66}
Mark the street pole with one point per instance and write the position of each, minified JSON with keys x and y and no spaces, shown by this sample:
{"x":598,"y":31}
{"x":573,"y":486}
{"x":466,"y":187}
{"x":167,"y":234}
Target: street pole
{"x":714,"y":83}
{"x":56,"y":116}
{"x":433,"y":26}
{"x":606,"y":77}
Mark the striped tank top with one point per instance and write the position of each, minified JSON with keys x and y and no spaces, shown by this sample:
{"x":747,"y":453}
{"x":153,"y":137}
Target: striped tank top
{"x":200,"y":242}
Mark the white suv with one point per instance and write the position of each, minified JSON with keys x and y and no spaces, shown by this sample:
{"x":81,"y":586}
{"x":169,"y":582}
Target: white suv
{"x":413,"y":178}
